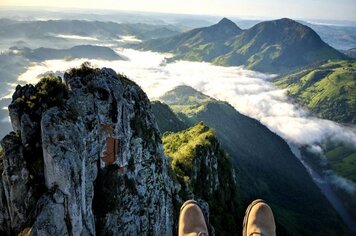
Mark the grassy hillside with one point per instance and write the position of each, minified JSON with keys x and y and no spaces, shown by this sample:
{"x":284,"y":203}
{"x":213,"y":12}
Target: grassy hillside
{"x":185,"y":96}
{"x":342,"y":160}
{"x":328,"y":90}
{"x":264,"y":163}
{"x":278,"y":46}
{"x":193,"y":153}
{"x":271,"y":46}
{"x":202,"y":44}
{"x":167,"y":118}
{"x":185,"y":100}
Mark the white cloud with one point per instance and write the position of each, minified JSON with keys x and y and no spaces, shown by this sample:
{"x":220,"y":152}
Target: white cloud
{"x":128,"y":39}
{"x":249,"y":92}
{"x":343,"y":183}
{"x":75,"y":37}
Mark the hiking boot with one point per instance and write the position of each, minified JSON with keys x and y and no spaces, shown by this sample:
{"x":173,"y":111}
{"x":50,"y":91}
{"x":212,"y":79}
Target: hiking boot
{"x":192,"y":221}
{"x":259,"y":220}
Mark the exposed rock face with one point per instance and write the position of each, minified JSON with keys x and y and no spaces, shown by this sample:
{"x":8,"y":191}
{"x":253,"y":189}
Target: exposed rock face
{"x":102,"y":163}
{"x":207,"y":163}
{"x":17,"y":194}
{"x":205,"y":172}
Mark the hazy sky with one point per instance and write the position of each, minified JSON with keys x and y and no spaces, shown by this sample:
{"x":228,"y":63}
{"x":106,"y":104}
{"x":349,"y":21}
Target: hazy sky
{"x":302,"y":9}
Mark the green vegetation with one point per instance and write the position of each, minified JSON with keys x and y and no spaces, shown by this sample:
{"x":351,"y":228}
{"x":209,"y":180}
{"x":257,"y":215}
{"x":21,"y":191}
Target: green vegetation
{"x":51,"y":91}
{"x":188,"y":150}
{"x":185,"y":96}
{"x":328,"y":90}
{"x":275,"y":46}
{"x":34,"y":101}
{"x":263,"y":163}
{"x":85,"y":69}
{"x":182,"y":148}
{"x":125,"y":80}
{"x":167,"y":118}
{"x":48,"y":92}
{"x":342,"y":160}
{"x":186,"y":100}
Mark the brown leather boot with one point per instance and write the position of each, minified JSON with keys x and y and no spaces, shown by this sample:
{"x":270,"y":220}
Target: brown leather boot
{"x":191,"y":220}
{"x":259,"y":220}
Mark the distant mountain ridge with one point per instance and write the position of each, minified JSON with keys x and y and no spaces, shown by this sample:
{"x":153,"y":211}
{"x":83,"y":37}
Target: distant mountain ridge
{"x":49,"y":29}
{"x":351,"y":53}
{"x":341,"y":37}
{"x":272,"y":46}
{"x":80,"y":51}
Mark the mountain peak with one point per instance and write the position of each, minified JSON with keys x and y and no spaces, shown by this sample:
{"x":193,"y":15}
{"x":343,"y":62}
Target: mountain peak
{"x":286,"y":20}
{"x":284,"y":43}
{"x":184,"y":94}
{"x":292,"y":33}
{"x":283,"y":22}
{"x":225,"y":22}
{"x":185,"y":89}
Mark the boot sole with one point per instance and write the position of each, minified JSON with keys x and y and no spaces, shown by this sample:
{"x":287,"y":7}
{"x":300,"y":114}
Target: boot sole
{"x":247,"y":213}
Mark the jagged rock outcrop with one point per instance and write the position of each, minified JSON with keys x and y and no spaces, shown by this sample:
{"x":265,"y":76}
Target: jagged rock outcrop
{"x":205,"y":172}
{"x":97,"y":160}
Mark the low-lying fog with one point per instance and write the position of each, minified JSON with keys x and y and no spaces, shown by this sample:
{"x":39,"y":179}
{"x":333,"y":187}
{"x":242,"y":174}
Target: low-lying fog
{"x":251,"y":93}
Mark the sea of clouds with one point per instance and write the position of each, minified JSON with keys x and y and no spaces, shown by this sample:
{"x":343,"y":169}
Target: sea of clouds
{"x":250,"y":92}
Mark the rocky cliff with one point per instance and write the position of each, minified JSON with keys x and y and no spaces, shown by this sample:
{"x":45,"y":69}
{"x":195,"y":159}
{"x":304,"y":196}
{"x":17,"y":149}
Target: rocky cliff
{"x":85,"y":158}
{"x":205,"y":172}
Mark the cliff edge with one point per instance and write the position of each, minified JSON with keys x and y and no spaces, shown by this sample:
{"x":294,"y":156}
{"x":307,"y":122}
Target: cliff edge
{"x":94,"y":133}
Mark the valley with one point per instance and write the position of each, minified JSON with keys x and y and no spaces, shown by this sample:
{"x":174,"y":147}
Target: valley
{"x":245,"y":85}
